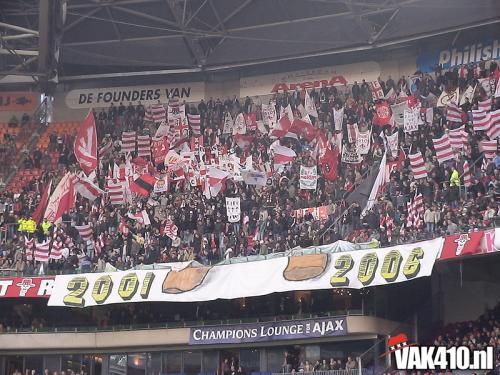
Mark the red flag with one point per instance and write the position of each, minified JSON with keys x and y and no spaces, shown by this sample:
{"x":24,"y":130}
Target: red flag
{"x":250,"y":121}
{"x":85,"y":146}
{"x":160,"y":149}
{"x":329,"y":162}
{"x":42,"y":205}
{"x":62,"y":199}
{"x":382,"y":114}
{"x":304,"y":129}
{"x":244,"y":141}
{"x":461,"y":244}
{"x":282,"y":128}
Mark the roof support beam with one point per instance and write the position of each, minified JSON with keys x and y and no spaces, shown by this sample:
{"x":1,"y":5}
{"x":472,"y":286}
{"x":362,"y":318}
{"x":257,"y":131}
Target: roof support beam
{"x":44,"y":33}
{"x":18,"y":28}
{"x":20,"y":52}
{"x":191,"y":43}
{"x":81,"y":18}
{"x":194,"y":14}
{"x":115,"y":26}
{"x":18,"y":36}
{"x":146,"y":16}
{"x":382,"y":29}
{"x":232,"y":14}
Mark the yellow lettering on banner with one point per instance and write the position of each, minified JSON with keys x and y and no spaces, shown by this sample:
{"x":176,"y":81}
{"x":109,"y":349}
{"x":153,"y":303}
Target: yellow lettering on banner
{"x":367,"y":268}
{"x":77,"y":286}
{"x":412,"y":265}
{"x":146,"y":285}
{"x":102,"y":289}
{"x":128,"y":286}
{"x":344,"y":264}
{"x":391,"y":265}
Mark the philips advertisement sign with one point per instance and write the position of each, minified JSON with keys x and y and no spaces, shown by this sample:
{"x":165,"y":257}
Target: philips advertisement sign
{"x":460,"y":54}
{"x":268,"y":331}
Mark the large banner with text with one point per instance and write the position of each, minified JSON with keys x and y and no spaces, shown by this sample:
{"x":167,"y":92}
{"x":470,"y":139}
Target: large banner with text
{"x":357,"y":269}
{"x":148,"y":94}
{"x":269,"y":331}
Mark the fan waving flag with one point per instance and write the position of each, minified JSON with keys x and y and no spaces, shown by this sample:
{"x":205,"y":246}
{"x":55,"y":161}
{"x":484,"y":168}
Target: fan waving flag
{"x":85,"y":146}
{"x":62,"y":199}
{"x":143,"y":185}
{"x":42,"y":205}
{"x":453,"y":113}
{"x":458,"y":137}
{"x":282,"y":154}
{"x":310,"y":106}
{"x":116,"y":191}
{"x":443,"y":149}
{"x":143,"y":146}
{"x":87,"y":189}
{"x":195,"y":123}
{"x":128,"y":142}
{"x":329,"y":163}
{"x":417,"y":165}
{"x":155,"y":113}
{"x":303,"y":128}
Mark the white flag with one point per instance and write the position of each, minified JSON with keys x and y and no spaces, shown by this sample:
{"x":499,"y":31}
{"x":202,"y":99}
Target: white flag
{"x":310,"y":106}
{"x":239,"y":125}
{"x":392,"y":144}
{"x":269,"y":115}
{"x":411,"y":118}
{"x":233,"y":209}
{"x":228,"y":124}
{"x":338,"y":118}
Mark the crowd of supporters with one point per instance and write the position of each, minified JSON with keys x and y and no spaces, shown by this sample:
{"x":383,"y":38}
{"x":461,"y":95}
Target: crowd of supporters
{"x":268,"y":221}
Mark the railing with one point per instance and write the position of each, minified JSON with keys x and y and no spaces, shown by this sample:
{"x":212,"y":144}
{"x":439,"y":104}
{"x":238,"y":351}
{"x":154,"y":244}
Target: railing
{"x":184,"y":324}
{"x":363,"y":371}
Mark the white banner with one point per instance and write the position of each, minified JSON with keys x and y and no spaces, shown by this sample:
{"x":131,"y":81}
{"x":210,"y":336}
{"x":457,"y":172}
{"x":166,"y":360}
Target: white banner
{"x":363,"y":142}
{"x":398,"y":113}
{"x":183,"y":283}
{"x":392,"y":143}
{"x":411,"y":118}
{"x":309,"y":79}
{"x":228,"y":124}
{"x":233,"y":209}
{"x":269,"y":115}
{"x":308,"y":178}
{"x":350,"y":155}
{"x":239,"y":125}
{"x":103,"y":97}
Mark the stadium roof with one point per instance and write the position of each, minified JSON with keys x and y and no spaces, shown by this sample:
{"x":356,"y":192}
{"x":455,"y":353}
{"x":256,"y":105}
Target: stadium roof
{"x":113,"y":36}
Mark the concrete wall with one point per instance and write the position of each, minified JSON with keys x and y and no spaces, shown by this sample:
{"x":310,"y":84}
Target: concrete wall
{"x":222,"y":85}
{"x":359,"y":327}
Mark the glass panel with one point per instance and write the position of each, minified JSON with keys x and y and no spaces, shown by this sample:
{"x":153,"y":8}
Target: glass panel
{"x":97,"y":362}
{"x":117,"y":364}
{"x":154,"y":363}
{"x":52,"y":364}
{"x":87,"y":364}
{"x":14,"y":364}
{"x":71,"y":363}
{"x":210,"y":362}
{"x":136,"y":364}
{"x":192,"y":363}
{"x":34,"y":362}
{"x":250,"y":360}
{"x":172,"y":362}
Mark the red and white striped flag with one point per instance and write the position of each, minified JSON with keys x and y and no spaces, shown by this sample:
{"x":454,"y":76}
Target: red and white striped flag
{"x":41,"y":252}
{"x":282,"y":154}
{"x":481,"y":120}
{"x":418,"y":204}
{"x":155,"y":113}
{"x":458,"y":137}
{"x":116,"y":191}
{"x":128,"y":142}
{"x":417,"y":165}
{"x":494,"y":131}
{"x":453,"y":113}
{"x":484,"y":105}
{"x":85,"y":231}
{"x":87,"y":189}
{"x":488,"y":148}
{"x":56,"y":251}
{"x":194,"y":122}
{"x":443,"y":149}
{"x":467,"y":174}
{"x":143,"y":146}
